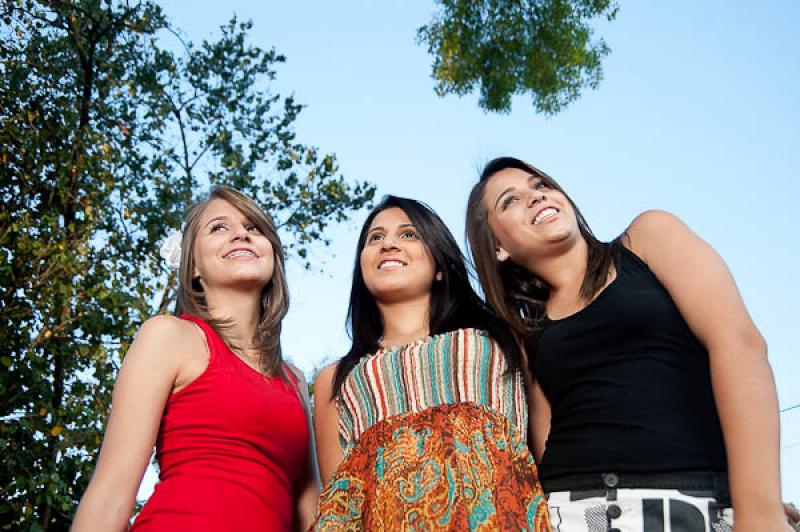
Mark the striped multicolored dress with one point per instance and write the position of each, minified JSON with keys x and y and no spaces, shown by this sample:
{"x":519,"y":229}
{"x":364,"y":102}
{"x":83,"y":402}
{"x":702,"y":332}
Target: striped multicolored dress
{"x":434,"y":435}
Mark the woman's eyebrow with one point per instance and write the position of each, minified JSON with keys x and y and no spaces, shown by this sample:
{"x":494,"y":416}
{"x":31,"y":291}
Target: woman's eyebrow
{"x":506,"y":191}
{"x":381,"y":228}
{"x":223,"y":217}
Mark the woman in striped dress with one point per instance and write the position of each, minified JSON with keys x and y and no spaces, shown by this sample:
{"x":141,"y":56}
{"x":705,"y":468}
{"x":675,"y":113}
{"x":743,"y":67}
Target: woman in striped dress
{"x":423,"y":423}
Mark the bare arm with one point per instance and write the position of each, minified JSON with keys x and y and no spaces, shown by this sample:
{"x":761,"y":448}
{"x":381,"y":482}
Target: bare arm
{"x":145,"y":381}
{"x":699,"y":282}
{"x":326,"y":425}
{"x":538,"y":411}
{"x":307,"y":488}
{"x":539,"y":419}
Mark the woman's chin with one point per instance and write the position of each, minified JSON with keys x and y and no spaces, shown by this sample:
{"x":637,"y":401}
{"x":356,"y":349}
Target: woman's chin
{"x":244,"y":283}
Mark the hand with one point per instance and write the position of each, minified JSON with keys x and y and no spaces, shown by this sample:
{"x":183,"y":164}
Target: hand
{"x":758,"y":521}
{"x":792,"y":515}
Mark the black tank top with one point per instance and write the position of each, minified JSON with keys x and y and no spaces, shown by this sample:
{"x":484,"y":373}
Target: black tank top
{"x":629,"y":385}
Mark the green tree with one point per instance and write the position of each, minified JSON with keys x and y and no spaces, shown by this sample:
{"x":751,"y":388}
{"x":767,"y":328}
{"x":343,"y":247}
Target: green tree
{"x":508,"y":47}
{"x":106,"y":136}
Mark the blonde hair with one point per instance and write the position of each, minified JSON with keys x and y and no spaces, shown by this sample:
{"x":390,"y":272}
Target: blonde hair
{"x":274,"y":296}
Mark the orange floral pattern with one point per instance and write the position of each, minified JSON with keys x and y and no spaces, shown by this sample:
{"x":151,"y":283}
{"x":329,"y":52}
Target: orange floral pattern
{"x":450,"y":467}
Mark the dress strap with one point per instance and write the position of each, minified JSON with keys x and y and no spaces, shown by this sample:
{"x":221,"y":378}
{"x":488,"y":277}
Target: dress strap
{"x":630,"y":261}
{"x":295,"y":383}
{"x":212,"y":338}
{"x":291,"y":374}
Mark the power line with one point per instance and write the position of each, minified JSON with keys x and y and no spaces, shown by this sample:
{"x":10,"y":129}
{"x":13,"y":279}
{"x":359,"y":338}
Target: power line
{"x":797,"y":443}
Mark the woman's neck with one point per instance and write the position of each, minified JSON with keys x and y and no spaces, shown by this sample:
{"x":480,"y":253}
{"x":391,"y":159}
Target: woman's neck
{"x":563,"y":272}
{"x":242,"y":309}
{"x":404,"y":322}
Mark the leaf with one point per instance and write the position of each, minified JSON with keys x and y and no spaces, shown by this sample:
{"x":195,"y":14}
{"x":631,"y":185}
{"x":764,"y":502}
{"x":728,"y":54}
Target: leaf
{"x":504,"y":48}
{"x":90,"y":186}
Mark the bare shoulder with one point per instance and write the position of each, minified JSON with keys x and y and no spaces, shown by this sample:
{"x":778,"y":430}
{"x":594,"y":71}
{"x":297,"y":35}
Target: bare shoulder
{"x":652,"y":230}
{"x":326,"y":374}
{"x":323,"y":382}
{"x":171,"y":331}
{"x":167,"y":335}
{"x":167,"y":326}
{"x":653,"y":223}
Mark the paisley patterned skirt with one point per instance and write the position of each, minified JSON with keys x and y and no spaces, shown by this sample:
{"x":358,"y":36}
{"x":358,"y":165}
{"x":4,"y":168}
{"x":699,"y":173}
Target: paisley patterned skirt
{"x":450,"y":467}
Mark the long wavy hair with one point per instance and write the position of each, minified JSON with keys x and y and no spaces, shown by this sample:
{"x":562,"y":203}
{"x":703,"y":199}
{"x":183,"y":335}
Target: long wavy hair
{"x":453,"y":302}
{"x":518,"y":296}
{"x":274,"y":296}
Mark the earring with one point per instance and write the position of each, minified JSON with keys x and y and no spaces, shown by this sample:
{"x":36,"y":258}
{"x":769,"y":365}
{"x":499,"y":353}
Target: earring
{"x":502,"y":255}
{"x":438,"y":276}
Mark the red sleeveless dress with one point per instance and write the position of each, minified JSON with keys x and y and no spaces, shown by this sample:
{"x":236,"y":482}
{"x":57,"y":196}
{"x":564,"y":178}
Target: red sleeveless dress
{"x":230,"y":447}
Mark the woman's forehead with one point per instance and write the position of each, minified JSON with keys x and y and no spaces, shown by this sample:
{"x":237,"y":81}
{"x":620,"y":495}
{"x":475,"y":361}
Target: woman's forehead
{"x":220,"y":208}
{"x":506,"y":180}
{"x":388,"y":218}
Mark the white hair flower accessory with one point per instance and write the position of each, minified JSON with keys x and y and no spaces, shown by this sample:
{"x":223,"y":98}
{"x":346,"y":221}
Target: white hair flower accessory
{"x":171,"y":249}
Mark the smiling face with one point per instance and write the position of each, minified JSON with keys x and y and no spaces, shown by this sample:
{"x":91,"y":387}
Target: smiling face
{"x":528,"y":217}
{"x":395,"y":263}
{"x":229,"y":250}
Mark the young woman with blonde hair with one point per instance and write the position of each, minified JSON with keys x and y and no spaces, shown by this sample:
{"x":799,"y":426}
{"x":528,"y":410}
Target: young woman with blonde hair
{"x":211,"y":391}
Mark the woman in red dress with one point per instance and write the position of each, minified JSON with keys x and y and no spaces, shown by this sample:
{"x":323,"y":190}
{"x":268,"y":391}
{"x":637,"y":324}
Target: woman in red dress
{"x":211,"y":392}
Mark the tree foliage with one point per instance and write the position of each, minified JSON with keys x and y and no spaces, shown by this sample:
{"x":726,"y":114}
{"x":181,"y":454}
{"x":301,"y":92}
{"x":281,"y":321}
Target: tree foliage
{"x":509,"y":47}
{"x":106,"y":136}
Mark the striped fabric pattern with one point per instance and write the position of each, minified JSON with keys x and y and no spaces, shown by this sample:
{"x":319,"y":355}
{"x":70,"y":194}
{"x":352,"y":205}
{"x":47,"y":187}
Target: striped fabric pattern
{"x":464,"y":365}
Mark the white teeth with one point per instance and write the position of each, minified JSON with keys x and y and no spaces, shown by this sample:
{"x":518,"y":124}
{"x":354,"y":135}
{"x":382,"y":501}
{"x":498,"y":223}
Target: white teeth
{"x":549,"y":212}
{"x":240,"y":253}
{"x":390,"y":264}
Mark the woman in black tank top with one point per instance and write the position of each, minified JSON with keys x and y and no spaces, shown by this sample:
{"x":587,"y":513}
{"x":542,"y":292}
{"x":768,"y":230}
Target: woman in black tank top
{"x":652,"y":386}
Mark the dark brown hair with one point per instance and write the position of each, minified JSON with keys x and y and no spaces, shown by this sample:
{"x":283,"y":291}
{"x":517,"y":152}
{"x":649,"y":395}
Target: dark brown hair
{"x":274,"y":296}
{"x":517,"y":295}
{"x":453,"y":303}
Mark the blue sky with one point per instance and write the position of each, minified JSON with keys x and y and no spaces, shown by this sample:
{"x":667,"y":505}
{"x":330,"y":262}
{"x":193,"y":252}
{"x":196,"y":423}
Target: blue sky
{"x":698,"y":114}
